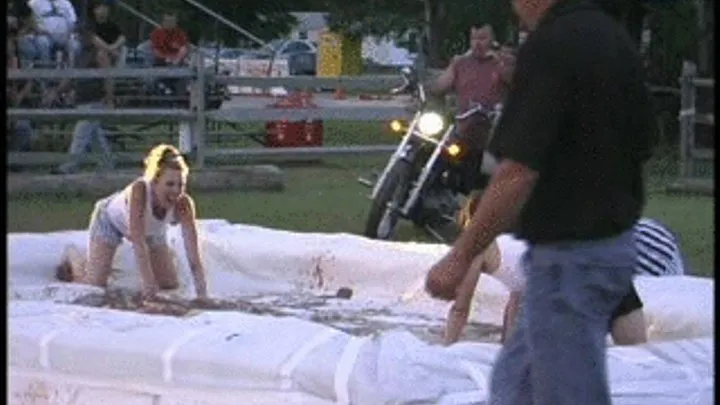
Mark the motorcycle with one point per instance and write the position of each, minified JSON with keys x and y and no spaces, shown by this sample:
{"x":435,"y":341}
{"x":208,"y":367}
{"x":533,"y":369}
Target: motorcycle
{"x":425,"y":178}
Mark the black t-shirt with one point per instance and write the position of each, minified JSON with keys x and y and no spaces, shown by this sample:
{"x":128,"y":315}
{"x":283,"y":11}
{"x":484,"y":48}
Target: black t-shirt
{"x":108,"y":31}
{"x":578,"y":114}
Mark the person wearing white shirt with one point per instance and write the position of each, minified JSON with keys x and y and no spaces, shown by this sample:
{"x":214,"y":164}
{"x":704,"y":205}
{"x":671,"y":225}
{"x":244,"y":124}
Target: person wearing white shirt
{"x":55,"y":22}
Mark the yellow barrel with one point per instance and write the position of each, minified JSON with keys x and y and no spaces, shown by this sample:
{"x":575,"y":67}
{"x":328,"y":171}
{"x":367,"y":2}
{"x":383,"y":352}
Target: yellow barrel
{"x":338,"y":55}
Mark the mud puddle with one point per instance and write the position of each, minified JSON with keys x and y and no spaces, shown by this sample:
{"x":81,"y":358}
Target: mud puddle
{"x":323,"y":310}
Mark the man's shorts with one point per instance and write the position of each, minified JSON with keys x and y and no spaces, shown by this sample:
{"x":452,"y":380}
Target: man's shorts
{"x":629,"y":303}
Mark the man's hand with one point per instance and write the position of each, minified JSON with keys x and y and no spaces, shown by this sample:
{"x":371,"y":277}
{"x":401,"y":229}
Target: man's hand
{"x":445,"y":276}
{"x":454,"y":60}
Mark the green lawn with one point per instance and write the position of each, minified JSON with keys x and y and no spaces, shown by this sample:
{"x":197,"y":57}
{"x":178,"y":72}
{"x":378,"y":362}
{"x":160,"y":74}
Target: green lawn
{"x":327,"y":198}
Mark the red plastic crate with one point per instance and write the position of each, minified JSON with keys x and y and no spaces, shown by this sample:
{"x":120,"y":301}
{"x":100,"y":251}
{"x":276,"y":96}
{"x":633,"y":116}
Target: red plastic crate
{"x":286,"y":134}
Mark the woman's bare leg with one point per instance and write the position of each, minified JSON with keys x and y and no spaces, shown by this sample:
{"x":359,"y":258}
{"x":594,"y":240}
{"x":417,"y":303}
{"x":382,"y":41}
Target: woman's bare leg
{"x":511,"y":310}
{"x":163,"y":266}
{"x":93,"y":268}
{"x":630,"y":329}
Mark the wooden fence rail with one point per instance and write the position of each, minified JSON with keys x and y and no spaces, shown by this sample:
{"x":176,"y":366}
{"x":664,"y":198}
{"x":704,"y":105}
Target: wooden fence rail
{"x":692,"y":156}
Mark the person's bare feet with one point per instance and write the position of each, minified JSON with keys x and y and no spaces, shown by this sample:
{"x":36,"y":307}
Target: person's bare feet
{"x":72,"y":265}
{"x":63,"y":272}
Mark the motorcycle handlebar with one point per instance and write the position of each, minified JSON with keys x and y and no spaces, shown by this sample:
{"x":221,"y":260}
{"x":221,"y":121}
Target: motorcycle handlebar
{"x":478,"y":109}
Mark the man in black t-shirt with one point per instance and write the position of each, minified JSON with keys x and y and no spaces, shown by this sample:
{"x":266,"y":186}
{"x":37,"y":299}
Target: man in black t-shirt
{"x":575,"y":133}
{"x":108,"y":38}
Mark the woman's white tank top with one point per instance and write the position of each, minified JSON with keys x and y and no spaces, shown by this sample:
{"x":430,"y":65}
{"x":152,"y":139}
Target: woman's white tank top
{"x":510,"y":271}
{"x":118,"y":210}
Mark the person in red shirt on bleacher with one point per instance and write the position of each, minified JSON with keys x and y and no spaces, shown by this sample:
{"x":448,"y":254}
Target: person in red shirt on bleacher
{"x":169,"y":42}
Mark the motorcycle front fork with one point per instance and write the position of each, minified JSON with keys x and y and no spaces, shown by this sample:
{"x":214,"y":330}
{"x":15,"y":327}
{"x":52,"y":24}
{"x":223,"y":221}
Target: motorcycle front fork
{"x":420,"y":213}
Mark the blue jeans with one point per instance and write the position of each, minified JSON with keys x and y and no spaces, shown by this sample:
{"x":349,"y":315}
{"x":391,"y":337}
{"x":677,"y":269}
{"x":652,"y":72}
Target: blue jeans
{"x":84,"y":134}
{"x":22,"y":136}
{"x":556,"y":353}
{"x":40,"y":48}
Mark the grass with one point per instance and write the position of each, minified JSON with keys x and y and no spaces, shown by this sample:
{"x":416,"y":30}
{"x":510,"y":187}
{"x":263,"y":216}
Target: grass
{"x":327,"y":197}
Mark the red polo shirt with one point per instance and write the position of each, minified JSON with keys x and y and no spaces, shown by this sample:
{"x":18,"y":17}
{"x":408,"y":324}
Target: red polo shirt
{"x":166,"y":43}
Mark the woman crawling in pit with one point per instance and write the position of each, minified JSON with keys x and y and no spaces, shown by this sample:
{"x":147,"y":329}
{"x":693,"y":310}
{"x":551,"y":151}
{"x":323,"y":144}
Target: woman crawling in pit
{"x":658,"y":254}
{"x":141,"y":214}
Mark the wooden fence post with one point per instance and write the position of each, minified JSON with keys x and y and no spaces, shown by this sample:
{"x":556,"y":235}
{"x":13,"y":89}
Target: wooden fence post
{"x":687,"y":118}
{"x":197,"y":104}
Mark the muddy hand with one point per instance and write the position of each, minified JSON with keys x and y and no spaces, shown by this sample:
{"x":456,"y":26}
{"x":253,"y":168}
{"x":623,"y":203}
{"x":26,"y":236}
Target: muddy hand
{"x":149,"y":291}
{"x":446,"y":275}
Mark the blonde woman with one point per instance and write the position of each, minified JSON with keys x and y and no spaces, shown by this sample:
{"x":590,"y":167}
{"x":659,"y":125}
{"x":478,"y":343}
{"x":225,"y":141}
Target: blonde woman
{"x":141,"y":214}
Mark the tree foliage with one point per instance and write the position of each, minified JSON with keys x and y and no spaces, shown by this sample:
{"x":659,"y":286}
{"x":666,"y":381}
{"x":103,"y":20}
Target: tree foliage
{"x":447,"y":26}
{"x":266,"y":20}
{"x":675,"y":38}
{"x":443,"y":25}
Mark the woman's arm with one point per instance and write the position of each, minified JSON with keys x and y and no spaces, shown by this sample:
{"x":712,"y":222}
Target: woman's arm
{"x":511,"y":310}
{"x":460,"y":309}
{"x":186,"y":215}
{"x":138,"y":201}
{"x":100,"y":43}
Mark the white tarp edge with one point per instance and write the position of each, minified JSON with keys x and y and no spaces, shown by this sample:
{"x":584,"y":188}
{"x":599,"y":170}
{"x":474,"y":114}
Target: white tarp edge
{"x":232,"y":351}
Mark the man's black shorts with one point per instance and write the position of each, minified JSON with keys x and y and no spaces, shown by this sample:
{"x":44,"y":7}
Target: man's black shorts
{"x":629,"y":303}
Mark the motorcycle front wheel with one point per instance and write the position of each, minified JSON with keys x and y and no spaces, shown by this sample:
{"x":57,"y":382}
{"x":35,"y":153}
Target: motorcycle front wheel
{"x":384,"y":212}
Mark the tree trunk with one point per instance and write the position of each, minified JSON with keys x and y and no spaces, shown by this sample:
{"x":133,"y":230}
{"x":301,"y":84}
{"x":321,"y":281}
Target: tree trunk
{"x":435,"y":22}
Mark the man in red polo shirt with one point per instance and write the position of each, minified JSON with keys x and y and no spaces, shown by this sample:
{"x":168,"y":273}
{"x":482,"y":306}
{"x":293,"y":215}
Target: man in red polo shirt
{"x":481,"y":75}
{"x":169,"y":42}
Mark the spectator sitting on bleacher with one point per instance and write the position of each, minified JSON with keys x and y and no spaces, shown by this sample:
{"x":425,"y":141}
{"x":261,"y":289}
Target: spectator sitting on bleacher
{"x":108,"y":37}
{"x":89,"y":94}
{"x":169,"y":43}
{"x":17,"y":92}
{"x":53,"y":31}
{"x":20,"y":23}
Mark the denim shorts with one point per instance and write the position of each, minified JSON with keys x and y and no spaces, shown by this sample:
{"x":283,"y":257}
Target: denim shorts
{"x":102,"y":227}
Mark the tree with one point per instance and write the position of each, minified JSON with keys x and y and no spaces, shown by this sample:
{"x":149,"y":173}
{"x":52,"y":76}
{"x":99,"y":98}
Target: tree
{"x":675,"y":37}
{"x":266,"y":20}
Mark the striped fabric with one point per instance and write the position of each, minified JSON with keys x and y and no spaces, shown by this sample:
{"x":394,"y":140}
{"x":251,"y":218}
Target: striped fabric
{"x":658,"y":250}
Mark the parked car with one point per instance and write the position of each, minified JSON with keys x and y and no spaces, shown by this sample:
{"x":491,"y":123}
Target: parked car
{"x":301,"y":55}
{"x":285,"y":47}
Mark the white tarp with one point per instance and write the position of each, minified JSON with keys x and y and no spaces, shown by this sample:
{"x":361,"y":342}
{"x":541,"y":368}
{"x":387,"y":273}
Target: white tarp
{"x":232,"y":350}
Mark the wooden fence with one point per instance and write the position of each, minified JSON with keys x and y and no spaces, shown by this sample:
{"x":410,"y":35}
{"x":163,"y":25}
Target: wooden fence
{"x":697,"y":117}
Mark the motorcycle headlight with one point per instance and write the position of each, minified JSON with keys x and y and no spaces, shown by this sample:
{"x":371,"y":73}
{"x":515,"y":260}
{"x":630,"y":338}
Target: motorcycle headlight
{"x":430,"y":123}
